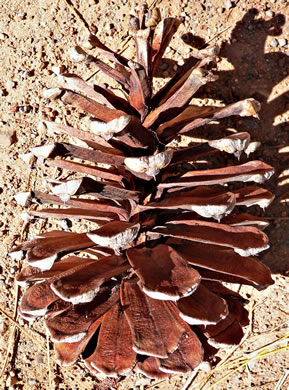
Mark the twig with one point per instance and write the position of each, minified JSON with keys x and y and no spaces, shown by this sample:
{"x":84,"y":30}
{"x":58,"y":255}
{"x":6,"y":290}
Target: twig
{"x":48,"y":361}
{"x":282,"y":380}
{"x":77,"y":14}
{"x":217,"y":35}
{"x":12,"y":332}
{"x":221,"y":365}
{"x":190,"y":379}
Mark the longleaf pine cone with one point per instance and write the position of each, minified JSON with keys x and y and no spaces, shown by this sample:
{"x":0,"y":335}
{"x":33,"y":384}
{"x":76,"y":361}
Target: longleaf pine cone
{"x":147,"y":280}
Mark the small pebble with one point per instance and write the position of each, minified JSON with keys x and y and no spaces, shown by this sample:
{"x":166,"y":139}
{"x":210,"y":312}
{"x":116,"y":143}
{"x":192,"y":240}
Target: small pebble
{"x":11,"y":84}
{"x":64,"y":224}
{"x":7,"y":138}
{"x":269,"y":13}
{"x":39,"y":358}
{"x":25,"y":109}
{"x":58,"y":69}
{"x":23,"y":198}
{"x":3,"y":328}
{"x":13,"y":270}
{"x":228,"y":4}
{"x":282,"y":42}
{"x":28,"y":158}
{"x":2,"y":282}
{"x":14,"y":108}
{"x":3,"y":36}
{"x":18,"y":255}
{"x":274,"y":43}
{"x":11,"y":381}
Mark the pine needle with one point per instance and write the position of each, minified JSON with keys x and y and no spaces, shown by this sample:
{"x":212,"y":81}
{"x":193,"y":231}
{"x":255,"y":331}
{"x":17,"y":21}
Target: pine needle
{"x":83,"y":386}
{"x":48,"y":361}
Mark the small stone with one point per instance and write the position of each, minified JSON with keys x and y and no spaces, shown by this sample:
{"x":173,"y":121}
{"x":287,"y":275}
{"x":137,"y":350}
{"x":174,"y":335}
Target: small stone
{"x":25,"y":109}
{"x":28,"y":158}
{"x":11,"y":84}
{"x":3,"y":92}
{"x":64,"y":225}
{"x":77,"y":55}
{"x":3,"y":36}
{"x":11,"y":381}
{"x":274,"y":43}
{"x":269,"y":13}
{"x":23,"y":198}
{"x":2,"y":283}
{"x":7,"y":138}
{"x":282,"y":42}
{"x":21,"y":15}
{"x":13,"y":270}
{"x":18,"y":255}
{"x":51,"y":93}
{"x":3,"y":327}
{"x":58,"y":69}
{"x":14,"y":108}
{"x":39,"y":358}
{"x":43,"y":65}
{"x":228,"y":4}
{"x":26,"y":217}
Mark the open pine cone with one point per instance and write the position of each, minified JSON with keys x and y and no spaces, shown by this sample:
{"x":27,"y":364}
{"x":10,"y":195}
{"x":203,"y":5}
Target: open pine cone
{"x":143,"y":291}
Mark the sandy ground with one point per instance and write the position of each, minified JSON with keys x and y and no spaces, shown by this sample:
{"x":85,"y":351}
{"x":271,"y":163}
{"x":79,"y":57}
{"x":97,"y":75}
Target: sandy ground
{"x":35,"y":38}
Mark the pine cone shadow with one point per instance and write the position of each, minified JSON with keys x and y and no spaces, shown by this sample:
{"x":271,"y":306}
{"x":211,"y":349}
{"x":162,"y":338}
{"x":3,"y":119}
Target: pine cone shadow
{"x":255,"y":74}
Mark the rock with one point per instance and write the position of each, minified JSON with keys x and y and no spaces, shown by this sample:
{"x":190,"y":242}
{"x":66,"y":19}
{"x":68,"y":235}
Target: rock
{"x":11,"y":381}
{"x":13,"y":270}
{"x":274,"y":43}
{"x":19,"y":255}
{"x":58,"y":69}
{"x":228,"y":4}
{"x":3,"y":327}
{"x":282,"y":42}
{"x":14,"y":108}
{"x":28,"y":158}
{"x":51,"y":93}
{"x":3,"y":36}
{"x":25,"y":109}
{"x":11,"y":84}
{"x":269,"y":13}
{"x":7,"y":138}
{"x":23,"y":198}
{"x":39,"y":358}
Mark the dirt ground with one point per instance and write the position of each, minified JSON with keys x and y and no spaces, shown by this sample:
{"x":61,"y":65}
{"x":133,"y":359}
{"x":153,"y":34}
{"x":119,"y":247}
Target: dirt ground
{"x":35,"y":39}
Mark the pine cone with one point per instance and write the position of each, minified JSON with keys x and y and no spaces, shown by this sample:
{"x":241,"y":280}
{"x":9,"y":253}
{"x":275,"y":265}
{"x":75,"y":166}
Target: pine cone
{"x":143,"y":291}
